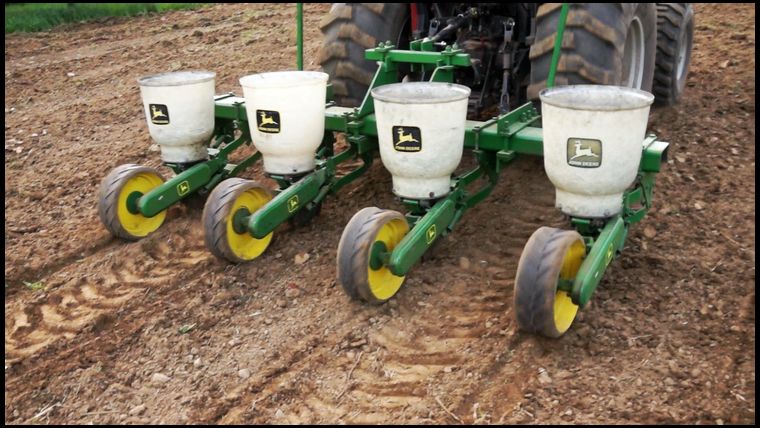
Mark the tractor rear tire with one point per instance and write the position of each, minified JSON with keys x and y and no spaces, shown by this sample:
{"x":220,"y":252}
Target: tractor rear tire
{"x":593,"y":44}
{"x":348,"y":30}
{"x":675,"y":33}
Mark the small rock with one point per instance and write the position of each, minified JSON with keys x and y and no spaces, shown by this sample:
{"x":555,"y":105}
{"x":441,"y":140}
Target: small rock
{"x":464,"y":263}
{"x":569,"y":412}
{"x":234,"y":341}
{"x":292,"y":292}
{"x":447,"y":369}
{"x":350,"y":355}
{"x":544,"y":379}
{"x":154,"y":148}
{"x":301,"y":258}
{"x":281,"y":303}
{"x":267,"y":321}
{"x":244,"y":373}
{"x":279,"y":414}
{"x":70,"y":74}
{"x":137,"y":410}
{"x":489,"y":324}
{"x":650,"y":232}
{"x":159,"y":378}
{"x":681,"y":159}
{"x":698,"y":206}
{"x":197,"y":362}
{"x":724,"y":64}
{"x":719,"y":421}
{"x":358,"y":343}
{"x":673,"y":367}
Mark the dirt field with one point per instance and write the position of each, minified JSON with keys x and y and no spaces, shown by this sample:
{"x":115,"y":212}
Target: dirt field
{"x":669,"y":336}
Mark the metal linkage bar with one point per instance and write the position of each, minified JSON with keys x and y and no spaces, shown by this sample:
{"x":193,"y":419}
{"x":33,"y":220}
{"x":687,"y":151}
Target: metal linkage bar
{"x":605,"y":241}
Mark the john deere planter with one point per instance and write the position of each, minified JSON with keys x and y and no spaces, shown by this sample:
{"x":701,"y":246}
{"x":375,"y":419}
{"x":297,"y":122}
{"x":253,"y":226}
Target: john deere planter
{"x":592,"y":138}
{"x":595,"y":152}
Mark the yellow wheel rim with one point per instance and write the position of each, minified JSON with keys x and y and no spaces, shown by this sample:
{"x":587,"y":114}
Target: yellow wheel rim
{"x":243,"y":245}
{"x":564,"y":308}
{"x":137,"y":224}
{"x":383,"y":284}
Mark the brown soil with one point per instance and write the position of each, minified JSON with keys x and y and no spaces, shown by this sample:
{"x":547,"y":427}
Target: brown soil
{"x":669,"y":336}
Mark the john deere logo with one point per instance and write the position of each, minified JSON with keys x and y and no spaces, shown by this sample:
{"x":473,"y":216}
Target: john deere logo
{"x":407,"y":139}
{"x":268,"y":121}
{"x":584,"y":152}
{"x":159,"y":114}
{"x":183,"y":188}
{"x":293,"y":204}
{"x":430,"y":234}
{"x":609,"y":254}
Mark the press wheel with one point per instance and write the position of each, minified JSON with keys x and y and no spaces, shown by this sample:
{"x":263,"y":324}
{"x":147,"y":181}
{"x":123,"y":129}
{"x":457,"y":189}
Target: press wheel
{"x":361,"y":277}
{"x":227,"y":238}
{"x":117,"y":201}
{"x":550,"y":255}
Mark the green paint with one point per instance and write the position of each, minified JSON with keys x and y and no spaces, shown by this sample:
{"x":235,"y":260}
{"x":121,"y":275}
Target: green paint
{"x":609,"y":241}
{"x":427,"y":229}
{"x":299,"y":36}
{"x":557,"y":45}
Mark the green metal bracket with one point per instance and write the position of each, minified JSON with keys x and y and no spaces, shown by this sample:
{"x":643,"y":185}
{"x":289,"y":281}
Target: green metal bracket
{"x":557,"y":45}
{"x":605,"y":241}
{"x":182,"y":185}
{"x":609,"y":242}
{"x":429,"y":228}
{"x":299,"y":36}
{"x":286,"y":204}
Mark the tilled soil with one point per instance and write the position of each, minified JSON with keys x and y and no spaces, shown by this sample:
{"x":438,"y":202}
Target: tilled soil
{"x":160,"y":331}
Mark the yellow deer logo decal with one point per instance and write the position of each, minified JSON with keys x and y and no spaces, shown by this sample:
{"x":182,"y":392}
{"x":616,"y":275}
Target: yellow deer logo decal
{"x":156,"y":112}
{"x":582,"y":151}
{"x":404,"y":138}
{"x":265,"y":120}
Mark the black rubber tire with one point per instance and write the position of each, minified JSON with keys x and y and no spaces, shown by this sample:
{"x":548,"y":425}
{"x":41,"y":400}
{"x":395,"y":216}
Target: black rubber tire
{"x":348,"y":30}
{"x":592,"y":44}
{"x":354,"y":251}
{"x":536,"y":281}
{"x":108,"y":197}
{"x":675,"y":26}
{"x":216,"y":212}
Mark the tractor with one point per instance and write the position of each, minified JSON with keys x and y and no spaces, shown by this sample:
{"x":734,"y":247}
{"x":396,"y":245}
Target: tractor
{"x":645,"y":46}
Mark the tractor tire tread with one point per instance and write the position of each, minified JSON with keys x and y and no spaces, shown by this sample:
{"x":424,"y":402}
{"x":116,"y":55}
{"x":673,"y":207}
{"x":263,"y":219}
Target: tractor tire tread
{"x":672,"y":19}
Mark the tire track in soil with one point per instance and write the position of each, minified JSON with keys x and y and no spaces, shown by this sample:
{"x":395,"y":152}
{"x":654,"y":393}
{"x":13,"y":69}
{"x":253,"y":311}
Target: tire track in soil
{"x":411,"y":353}
{"x":88,"y":296}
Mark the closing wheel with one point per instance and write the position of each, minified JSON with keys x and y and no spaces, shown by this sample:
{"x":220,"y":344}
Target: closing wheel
{"x":361,"y":273}
{"x":551,"y":256}
{"x":224,"y":225}
{"x":117,"y":201}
